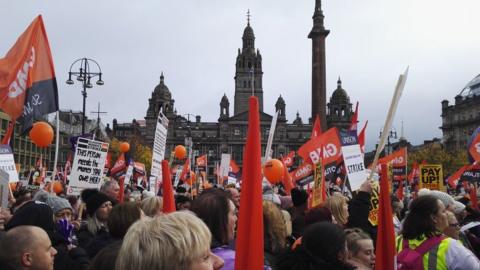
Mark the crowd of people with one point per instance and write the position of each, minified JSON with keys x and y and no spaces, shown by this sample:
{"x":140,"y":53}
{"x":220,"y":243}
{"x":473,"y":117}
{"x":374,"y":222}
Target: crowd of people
{"x":42,"y":230}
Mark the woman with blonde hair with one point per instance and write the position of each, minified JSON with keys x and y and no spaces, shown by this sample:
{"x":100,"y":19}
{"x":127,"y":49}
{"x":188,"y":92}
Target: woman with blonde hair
{"x":337,"y":204}
{"x":360,"y":249}
{"x":275,"y":231}
{"x":152,"y":206}
{"x":176,"y":241}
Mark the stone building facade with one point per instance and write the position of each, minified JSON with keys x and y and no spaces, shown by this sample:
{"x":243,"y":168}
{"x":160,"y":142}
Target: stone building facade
{"x":460,"y":119}
{"x":228,"y":134}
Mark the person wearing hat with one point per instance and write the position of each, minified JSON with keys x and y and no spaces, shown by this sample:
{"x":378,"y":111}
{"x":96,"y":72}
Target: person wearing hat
{"x":99,"y":206}
{"x":39,"y":214}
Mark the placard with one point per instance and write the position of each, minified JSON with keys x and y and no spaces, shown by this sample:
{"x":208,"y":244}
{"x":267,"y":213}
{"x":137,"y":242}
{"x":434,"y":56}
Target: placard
{"x":224,"y":165}
{"x":431,"y":176}
{"x":7,"y":162}
{"x":158,"y":151}
{"x":88,"y":164}
{"x":4,"y":189}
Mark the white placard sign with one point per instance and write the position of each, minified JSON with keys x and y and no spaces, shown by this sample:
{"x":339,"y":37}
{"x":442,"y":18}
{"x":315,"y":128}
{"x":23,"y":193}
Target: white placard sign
{"x":268,"y":150}
{"x":353,"y":158}
{"x":128,"y":174}
{"x":158,"y":153}
{"x":87,"y":166}
{"x":4,"y":189}
{"x":7,"y":163}
{"x":224,"y":165}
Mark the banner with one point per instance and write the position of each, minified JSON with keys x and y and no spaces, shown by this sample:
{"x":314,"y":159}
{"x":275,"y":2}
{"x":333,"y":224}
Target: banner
{"x":303,"y":175}
{"x":471,"y":174}
{"x":88,"y":164}
{"x":158,"y":152}
{"x":7,"y":163}
{"x":353,"y":159}
{"x":431,"y":177}
{"x":28,"y":88}
{"x":312,"y":151}
{"x":374,"y":201}
{"x":474,"y":146}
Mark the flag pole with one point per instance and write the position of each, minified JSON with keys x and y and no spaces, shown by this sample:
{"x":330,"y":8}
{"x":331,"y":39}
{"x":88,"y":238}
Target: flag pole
{"x":388,"y":121}
{"x":57,"y":140}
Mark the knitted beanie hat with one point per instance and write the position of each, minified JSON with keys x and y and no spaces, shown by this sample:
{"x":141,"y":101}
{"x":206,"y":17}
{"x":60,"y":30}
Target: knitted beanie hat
{"x":458,"y":207}
{"x":446,"y":199}
{"x":57,"y":204}
{"x":95,"y":201}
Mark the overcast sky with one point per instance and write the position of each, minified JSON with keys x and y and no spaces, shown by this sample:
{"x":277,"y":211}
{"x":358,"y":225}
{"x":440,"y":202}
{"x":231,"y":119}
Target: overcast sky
{"x":195,"y":44}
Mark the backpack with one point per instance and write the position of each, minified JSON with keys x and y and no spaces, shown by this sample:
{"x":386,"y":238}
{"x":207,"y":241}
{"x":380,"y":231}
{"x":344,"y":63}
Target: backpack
{"x":412,"y":259}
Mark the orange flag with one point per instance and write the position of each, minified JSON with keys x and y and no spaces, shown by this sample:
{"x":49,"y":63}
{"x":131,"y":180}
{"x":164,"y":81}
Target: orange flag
{"x":317,"y":128}
{"x":249,"y":245}
{"x":28,"y":88}
{"x":385,"y":248}
{"x":168,"y":199}
{"x":361,"y":137}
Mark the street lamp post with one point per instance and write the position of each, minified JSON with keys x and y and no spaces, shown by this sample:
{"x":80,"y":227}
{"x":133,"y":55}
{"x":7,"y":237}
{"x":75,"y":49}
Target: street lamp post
{"x":84,"y":75}
{"x":392,"y":134}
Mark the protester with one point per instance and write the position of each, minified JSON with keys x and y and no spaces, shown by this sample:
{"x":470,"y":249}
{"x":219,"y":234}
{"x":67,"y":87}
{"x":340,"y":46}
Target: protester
{"x":40,"y":214}
{"x":121,"y":217}
{"x":337,"y":204}
{"x":453,"y":228}
{"x":359,"y":210}
{"x":218,"y":213}
{"x":299,"y":199}
{"x":426,"y":221}
{"x":152,"y":206}
{"x":176,"y":241}
{"x":105,"y":259}
{"x":397,"y":207}
{"x":312,"y":216}
{"x":360,"y":249}
{"x":234,"y":195}
{"x":183,"y":202}
{"x":99,"y":206}
{"x":111,"y":189}
{"x":323,"y":247}
{"x":275,"y":232}
{"x":26,"y":247}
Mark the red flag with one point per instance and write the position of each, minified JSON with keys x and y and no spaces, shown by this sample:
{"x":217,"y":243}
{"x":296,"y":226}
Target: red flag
{"x":361,"y":137}
{"x":397,"y":158}
{"x":233,"y":167}
{"x":168,"y":199}
{"x":287,"y":179}
{"x":400,"y":190}
{"x":353,"y":124}
{"x":250,"y":222}
{"x":202,"y":161}
{"x":317,"y":128}
{"x":288,"y":160}
{"x":312,"y":150}
{"x":385,"y":246}
{"x":414,"y":173}
{"x":185,"y":170}
{"x":121,"y":184}
{"x":119,"y":167}
{"x":27,"y":77}
{"x":455,"y":177}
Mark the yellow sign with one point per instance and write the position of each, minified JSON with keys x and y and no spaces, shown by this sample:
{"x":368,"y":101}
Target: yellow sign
{"x":317,"y":185}
{"x":374,"y":201}
{"x":431,"y":176}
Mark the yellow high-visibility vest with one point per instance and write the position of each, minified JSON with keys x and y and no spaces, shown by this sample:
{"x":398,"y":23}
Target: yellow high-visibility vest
{"x":435,"y":258}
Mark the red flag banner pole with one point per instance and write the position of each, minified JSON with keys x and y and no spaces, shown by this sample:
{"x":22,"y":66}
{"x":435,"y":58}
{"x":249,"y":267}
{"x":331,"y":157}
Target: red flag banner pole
{"x":249,"y":244}
{"x":8,"y":132}
{"x":385,"y":246}
{"x":168,"y":199}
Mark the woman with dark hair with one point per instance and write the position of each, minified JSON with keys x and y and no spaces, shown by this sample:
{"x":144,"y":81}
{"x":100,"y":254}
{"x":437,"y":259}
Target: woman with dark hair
{"x":422,"y":231}
{"x":218,"y":213}
{"x":323,"y":247}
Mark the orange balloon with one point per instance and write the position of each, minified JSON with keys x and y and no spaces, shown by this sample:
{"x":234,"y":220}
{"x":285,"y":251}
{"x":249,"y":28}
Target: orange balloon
{"x":41,"y":134}
{"x":57,"y":187}
{"x":124,"y":147}
{"x":273,"y":170}
{"x":180,"y":152}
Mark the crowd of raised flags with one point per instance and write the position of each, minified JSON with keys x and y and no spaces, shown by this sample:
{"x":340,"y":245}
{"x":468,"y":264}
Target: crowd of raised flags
{"x":317,"y":168}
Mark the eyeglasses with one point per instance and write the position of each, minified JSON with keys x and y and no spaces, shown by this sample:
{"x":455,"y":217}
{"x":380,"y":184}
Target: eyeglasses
{"x":454,"y":225}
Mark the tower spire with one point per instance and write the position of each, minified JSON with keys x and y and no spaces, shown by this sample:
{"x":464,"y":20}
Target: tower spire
{"x":248,"y":17}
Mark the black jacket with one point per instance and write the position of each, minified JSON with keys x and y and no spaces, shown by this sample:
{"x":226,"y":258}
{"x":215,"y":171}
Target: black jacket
{"x":358,"y":210}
